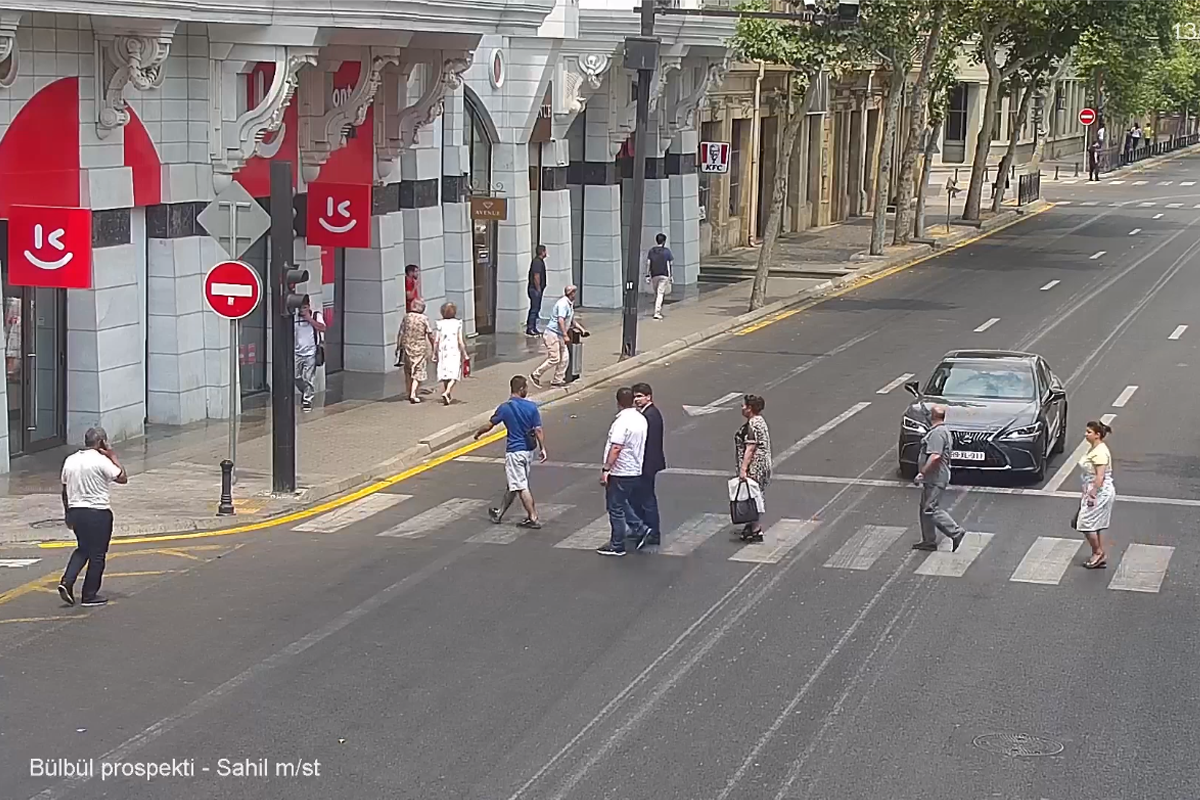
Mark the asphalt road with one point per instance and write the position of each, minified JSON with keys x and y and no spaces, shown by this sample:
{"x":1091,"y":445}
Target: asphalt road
{"x":416,"y":651}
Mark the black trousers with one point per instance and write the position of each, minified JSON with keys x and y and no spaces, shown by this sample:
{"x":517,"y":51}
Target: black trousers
{"x":93,"y":531}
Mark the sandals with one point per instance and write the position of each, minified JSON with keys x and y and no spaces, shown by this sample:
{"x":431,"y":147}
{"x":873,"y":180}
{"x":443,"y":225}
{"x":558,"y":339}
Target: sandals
{"x":1096,"y":563}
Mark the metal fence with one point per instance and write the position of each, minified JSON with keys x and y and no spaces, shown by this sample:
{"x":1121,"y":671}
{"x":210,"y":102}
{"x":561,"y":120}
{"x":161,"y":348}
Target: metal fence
{"x":1118,"y":155}
{"x":1029,"y":188}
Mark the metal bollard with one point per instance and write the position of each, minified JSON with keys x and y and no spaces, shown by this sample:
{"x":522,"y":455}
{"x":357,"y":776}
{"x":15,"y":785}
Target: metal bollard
{"x":1076,"y":169}
{"x":1055,"y":173}
{"x":956,"y":174}
{"x":226,"y":506}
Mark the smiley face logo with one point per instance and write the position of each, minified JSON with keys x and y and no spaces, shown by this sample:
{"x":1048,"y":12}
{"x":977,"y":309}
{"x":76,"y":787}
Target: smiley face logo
{"x":343,"y":210}
{"x":40,"y":240}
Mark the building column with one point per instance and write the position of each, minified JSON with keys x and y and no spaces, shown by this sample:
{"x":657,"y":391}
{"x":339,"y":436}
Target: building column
{"x":684,"y":188}
{"x":420,"y":206}
{"x":514,"y":251}
{"x":858,"y":155}
{"x":375,"y":289}
{"x":557,"y":216}
{"x":459,"y":271}
{"x":602,"y":241}
{"x":656,"y":213}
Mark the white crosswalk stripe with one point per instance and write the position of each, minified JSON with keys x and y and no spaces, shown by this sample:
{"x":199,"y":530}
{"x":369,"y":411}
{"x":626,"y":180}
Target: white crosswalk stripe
{"x":595,"y":534}
{"x":1046,"y":561}
{"x":1069,"y":181}
{"x":945,"y":564}
{"x":864,"y":548}
{"x":439,"y":516}
{"x":1165,"y":183}
{"x":777,"y":541}
{"x":1142,"y":569}
{"x":507,"y":534}
{"x":351,"y":513}
{"x":1114,"y":183}
{"x":1140,"y":183}
{"x":1174,"y":205}
{"x":1062,"y":202}
{"x":17,"y":563}
{"x":1187,"y":183}
{"x":1147,"y":204}
{"x":693,"y":533}
{"x":1088,"y":203}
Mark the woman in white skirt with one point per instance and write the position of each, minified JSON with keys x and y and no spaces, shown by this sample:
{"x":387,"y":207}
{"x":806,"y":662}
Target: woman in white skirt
{"x":1099,"y":494}
{"x":451,"y":350}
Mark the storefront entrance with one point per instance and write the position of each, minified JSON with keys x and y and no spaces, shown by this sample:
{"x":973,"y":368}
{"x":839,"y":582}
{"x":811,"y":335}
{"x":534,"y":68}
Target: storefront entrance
{"x":483,"y":252}
{"x":35,"y":361}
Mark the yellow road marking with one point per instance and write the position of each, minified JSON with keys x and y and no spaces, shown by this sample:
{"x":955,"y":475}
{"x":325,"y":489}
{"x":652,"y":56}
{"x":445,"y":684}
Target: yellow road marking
{"x":141,"y":573}
{"x":37,"y":619}
{"x":296,"y":516}
{"x":858,"y":283}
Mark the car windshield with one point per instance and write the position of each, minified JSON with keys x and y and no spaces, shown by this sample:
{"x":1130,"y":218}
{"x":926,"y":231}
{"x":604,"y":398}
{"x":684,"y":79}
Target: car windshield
{"x":981,"y":381}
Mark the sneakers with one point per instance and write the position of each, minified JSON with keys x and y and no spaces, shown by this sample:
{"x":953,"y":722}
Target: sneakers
{"x":536,"y":381}
{"x":658,"y":316}
{"x":955,"y":541}
{"x":66,"y":594}
{"x":532,"y":524}
{"x":494,"y":515}
{"x":95,"y":602}
{"x":609,"y":550}
{"x":647,"y":540}
{"x":306,"y":407}
{"x":533,"y":333}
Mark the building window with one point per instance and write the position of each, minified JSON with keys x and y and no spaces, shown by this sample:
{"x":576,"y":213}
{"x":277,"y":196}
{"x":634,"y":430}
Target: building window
{"x":998,"y":119}
{"x":956,"y":118}
{"x":479,"y":150}
{"x":735,"y":167}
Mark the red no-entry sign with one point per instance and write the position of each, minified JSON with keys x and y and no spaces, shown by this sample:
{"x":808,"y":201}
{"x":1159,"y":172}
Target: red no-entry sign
{"x":1087,"y":116}
{"x":232,"y":289}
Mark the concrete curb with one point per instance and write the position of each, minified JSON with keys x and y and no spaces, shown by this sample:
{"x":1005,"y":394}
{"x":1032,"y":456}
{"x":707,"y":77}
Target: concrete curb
{"x":455,"y":434}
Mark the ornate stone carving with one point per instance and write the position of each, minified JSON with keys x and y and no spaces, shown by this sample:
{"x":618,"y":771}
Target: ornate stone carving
{"x":443,"y":74}
{"x":128,"y":60}
{"x":684,"y":117}
{"x":593,"y":66}
{"x":664,"y":77}
{"x":622,"y":111}
{"x":10,"y":56}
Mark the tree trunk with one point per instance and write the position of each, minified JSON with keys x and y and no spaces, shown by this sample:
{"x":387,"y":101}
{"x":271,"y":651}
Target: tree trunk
{"x":983,"y":143}
{"x":1049,"y":116}
{"x":916,"y":124}
{"x":1023,"y":96}
{"x":926,"y":167}
{"x":795,"y":118}
{"x":883,"y":179}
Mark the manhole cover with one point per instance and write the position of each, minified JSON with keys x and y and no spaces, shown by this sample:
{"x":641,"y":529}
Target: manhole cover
{"x":1018,"y":745}
{"x":42,"y":524}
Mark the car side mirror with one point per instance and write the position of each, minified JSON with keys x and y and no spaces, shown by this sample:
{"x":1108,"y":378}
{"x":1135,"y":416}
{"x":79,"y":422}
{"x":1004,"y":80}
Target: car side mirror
{"x":914,"y":388}
{"x":1058,"y":394}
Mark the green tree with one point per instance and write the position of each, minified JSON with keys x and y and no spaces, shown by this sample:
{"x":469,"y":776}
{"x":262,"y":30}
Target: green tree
{"x":1120,"y":51}
{"x":943,"y":77}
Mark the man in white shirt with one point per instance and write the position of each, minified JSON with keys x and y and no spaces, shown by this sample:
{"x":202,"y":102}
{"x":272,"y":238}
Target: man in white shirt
{"x":85,"y":479}
{"x":622,"y":474}
{"x":562,"y":322}
{"x":309,"y":327}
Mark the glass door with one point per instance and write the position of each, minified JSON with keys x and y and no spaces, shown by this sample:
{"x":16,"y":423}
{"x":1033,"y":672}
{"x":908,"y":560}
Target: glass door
{"x":35,"y":365}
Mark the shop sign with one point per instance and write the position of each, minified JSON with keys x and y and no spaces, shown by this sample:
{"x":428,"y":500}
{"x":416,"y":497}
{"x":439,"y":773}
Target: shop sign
{"x":489,"y":208}
{"x":50,"y":247}
{"x":714,"y":157}
{"x":339,"y":215}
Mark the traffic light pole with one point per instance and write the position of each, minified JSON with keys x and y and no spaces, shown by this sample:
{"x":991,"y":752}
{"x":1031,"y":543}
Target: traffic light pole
{"x":283,"y":347}
{"x":644,"y":53}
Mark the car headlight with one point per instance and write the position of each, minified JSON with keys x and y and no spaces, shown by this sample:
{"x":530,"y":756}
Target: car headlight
{"x":912,"y":426}
{"x":1025,"y":433}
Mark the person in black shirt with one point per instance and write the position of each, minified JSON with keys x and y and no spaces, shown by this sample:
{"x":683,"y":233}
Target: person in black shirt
{"x":653,"y":462}
{"x":658,"y":260}
{"x":537,"y":288}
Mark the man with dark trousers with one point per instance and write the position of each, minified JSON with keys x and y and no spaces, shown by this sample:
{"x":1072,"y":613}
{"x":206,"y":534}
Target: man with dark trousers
{"x":85,"y":479}
{"x":536,"y":290}
{"x":653,"y":462}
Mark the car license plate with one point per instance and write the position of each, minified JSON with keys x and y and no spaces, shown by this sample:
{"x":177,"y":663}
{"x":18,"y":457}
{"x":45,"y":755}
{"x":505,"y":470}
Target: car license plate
{"x":967,"y":455}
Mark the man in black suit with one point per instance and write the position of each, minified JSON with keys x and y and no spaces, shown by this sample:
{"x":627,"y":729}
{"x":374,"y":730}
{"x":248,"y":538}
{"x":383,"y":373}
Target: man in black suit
{"x":654,"y":462}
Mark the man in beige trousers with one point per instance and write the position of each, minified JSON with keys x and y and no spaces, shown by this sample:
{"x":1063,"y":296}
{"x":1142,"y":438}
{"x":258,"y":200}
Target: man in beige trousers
{"x":562,"y":322}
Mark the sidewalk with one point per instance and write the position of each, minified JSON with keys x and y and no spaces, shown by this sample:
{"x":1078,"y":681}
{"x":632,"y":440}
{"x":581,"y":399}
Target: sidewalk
{"x":363,"y":429}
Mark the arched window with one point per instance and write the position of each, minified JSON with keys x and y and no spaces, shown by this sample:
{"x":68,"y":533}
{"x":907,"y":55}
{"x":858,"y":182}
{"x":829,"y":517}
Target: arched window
{"x":479,"y":148}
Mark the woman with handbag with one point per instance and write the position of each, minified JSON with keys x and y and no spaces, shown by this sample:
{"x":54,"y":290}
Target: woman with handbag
{"x":451,"y":350}
{"x":1099,"y":493}
{"x":415,"y":346}
{"x":753,"y":445}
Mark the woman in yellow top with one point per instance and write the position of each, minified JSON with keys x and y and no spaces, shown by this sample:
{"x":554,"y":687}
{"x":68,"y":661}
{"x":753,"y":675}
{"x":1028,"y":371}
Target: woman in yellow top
{"x":1099,"y":494}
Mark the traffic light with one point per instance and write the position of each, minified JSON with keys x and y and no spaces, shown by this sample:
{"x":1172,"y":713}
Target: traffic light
{"x":291,"y":300}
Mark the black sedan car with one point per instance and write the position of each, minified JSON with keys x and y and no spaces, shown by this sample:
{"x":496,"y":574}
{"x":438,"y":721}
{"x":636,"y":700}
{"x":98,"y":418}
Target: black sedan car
{"x":1006,"y":410}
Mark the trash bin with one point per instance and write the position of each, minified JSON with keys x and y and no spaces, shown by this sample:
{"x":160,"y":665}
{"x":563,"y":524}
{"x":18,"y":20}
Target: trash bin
{"x":574,"y":355}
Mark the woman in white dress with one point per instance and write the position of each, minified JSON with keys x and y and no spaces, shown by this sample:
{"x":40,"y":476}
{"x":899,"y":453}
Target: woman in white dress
{"x":451,"y":350}
{"x":1099,"y":493}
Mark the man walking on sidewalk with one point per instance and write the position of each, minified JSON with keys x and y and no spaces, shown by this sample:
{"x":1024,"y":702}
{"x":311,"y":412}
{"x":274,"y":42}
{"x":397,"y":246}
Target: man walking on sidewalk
{"x":562,"y":322}
{"x":653,"y":462}
{"x":934,"y":476}
{"x":659,"y":261}
{"x":523,"y":423}
{"x":622,"y":473}
{"x":536,"y":289}
{"x":309,"y":327}
{"x":85,"y":478}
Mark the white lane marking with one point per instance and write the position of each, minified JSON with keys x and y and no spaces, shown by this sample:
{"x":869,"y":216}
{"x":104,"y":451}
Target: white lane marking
{"x":1188,"y":183}
{"x":595,"y":534}
{"x":1089,"y":203}
{"x":818,"y":433}
{"x":864,"y":548}
{"x":1097,"y":254}
{"x":895,"y":384}
{"x":987,"y":325}
{"x":1135,"y":231}
{"x":431,"y":519}
{"x":1149,"y":204}
{"x":351,"y":513}
{"x":1140,"y":183}
{"x":710,"y":408}
{"x":693,"y":533}
{"x":1174,"y":205}
{"x":777,"y":541}
{"x":1046,"y":561}
{"x":1142,"y":569}
{"x":1196,"y":206}
{"x":1158,"y":215}
{"x":507,"y":534}
{"x":1062,"y":202}
{"x":1049,"y":286}
{"x":16,"y":563}
{"x":1069,"y":181}
{"x":1175,"y":334}
{"x":945,"y":564}
{"x":1124,"y":396}
{"x":1165,"y":183}
{"x":1114,"y":183}
{"x":1068,"y":466}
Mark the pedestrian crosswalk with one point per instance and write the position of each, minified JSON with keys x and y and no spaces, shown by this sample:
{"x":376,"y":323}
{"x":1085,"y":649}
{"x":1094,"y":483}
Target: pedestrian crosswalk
{"x":1044,"y":560}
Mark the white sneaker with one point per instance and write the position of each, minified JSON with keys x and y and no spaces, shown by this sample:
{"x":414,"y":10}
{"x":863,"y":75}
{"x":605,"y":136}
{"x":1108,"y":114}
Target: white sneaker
{"x":658,"y":316}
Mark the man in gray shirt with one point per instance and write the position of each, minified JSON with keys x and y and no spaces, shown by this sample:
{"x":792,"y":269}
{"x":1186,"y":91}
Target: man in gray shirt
{"x":934,"y":476}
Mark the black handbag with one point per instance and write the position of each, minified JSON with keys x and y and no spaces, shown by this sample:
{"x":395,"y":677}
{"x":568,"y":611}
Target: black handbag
{"x":320,"y":358}
{"x":743,"y":511}
{"x":1075,"y":520}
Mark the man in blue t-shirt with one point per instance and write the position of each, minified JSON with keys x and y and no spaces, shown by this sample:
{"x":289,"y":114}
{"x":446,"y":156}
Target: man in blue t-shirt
{"x":523,"y":422}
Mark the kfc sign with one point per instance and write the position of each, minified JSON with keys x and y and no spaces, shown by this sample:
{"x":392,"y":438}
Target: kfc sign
{"x":339,"y":215}
{"x":50,"y":247}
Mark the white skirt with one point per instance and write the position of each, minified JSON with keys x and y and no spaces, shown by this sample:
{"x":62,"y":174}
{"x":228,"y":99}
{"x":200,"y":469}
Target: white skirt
{"x":1097,"y":516}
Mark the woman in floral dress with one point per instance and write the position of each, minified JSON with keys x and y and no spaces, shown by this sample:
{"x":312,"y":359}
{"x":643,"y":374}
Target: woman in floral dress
{"x":414,"y":347}
{"x":753,"y":444}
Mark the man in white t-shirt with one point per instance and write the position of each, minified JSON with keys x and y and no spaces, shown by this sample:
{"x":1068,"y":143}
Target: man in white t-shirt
{"x":622,"y":474}
{"x":85,"y":479}
{"x":309,"y":327}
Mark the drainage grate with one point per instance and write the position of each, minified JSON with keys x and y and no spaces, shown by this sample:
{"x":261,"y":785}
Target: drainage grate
{"x":1018,"y":745}
{"x":42,"y":524}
